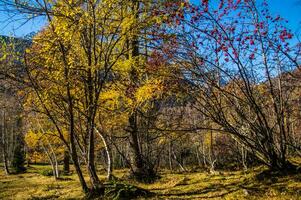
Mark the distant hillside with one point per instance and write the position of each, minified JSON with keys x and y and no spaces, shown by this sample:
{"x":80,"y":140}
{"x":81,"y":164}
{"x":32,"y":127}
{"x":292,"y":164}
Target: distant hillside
{"x":21,"y":43}
{"x":12,"y":74}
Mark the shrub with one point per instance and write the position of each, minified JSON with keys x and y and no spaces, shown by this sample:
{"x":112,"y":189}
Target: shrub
{"x":46,"y":172}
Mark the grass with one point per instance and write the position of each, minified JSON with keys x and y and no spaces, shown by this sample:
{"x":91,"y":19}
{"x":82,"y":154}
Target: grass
{"x":197,"y":185}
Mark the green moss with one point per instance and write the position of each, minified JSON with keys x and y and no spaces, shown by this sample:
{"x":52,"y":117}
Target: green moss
{"x":119,"y":191}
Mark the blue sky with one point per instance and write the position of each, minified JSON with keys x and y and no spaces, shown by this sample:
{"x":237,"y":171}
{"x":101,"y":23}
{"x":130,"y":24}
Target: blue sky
{"x":289,"y":9}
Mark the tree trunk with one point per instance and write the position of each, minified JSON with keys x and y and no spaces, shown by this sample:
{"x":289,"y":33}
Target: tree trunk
{"x":5,"y":162}
{"x":78,"y":170}
{"x":74,"y":158}
{"x":91,"y":162}
{"x":73,"y":152}
{"x":198,"y":155}
{"x":66,"y":162}
{"x":204,"y":153}
{"x":244,"y":158}
{"x":108,"y":153}
{"x":279,"y":164}
{"x":55,"y":162}
{"x":212,"y":161}
{"x":4,"y":145}
{"x":178,"y":162}
{"x":51,"y":161}
{"x":57,"y":169}
{"x":136,"y":158}
{"x":170,"y":156}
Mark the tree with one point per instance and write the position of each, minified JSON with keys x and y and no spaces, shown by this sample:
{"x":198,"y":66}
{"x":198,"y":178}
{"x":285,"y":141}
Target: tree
{"x":236,"y":68}
{"x":48,"y":144}
{"x":72,"y":61}
{"x":18,"y":160}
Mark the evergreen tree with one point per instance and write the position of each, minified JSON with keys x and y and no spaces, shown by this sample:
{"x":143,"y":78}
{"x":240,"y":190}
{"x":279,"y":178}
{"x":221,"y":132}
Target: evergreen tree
{"x":18,"y":159}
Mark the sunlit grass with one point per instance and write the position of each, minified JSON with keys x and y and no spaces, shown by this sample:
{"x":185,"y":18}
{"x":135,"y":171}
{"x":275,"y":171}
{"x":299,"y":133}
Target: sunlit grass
{"x":197,"y":185}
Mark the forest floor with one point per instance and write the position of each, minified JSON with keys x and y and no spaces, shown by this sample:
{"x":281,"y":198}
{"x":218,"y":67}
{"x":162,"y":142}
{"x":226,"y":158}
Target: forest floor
{"x":197,"y":185}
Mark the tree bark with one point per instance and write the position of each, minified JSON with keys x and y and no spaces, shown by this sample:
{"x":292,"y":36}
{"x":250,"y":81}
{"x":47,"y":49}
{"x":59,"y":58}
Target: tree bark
{"x":109,"y":155}
{"x":66,"y":162}
{"x":170,"y":155}
{"x":135,"y":154}
{"x":5,"y":163}
{"x":4,"y":145}
{"x":91,"y":163}
{"x":78,"y":170}
{"x":53,"y":166}
{"x":178,"y":162}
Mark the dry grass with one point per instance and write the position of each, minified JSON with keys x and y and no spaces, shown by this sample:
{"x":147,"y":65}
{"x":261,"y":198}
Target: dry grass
{"x":225,"y":185}
{"x":32,"y":185}
{"x":198,"y":185}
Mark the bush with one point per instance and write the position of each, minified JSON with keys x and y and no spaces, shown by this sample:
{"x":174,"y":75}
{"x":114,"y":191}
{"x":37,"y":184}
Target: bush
{"x":46,"y":172}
